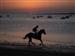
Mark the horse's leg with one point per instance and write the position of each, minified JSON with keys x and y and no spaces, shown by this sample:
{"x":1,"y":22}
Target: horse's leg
{"x":41,"y":42}
{"x":33,"y":43}
{"x":29,"y":41}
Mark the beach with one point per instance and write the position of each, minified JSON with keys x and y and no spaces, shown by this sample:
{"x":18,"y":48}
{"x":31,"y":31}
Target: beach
{"x":58,"y":41}
{"x":37,"y":28}
{"x":13,"y":50}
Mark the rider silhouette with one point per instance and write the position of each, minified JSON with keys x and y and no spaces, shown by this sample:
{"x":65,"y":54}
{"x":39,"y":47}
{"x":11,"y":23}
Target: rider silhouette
{"x":35,"y":30}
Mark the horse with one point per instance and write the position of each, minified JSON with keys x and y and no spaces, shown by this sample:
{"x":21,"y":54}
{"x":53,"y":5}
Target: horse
{"x":38,"y":36}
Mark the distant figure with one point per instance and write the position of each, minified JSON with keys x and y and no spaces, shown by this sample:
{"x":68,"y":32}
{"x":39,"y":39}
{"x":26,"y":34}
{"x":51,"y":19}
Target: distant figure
{"x":35,"y":30}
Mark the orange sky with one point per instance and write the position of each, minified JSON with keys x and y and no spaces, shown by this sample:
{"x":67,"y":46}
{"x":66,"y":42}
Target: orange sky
{"x":35,"y":5}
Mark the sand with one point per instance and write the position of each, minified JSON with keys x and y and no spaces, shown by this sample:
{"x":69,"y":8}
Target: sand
{"x":13,"y":50}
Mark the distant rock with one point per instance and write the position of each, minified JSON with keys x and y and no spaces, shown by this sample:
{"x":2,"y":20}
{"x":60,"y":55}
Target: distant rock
{"x":33,"y":17}
{"x":63,"y":18}
{"x":67,"y":17}
{"x":49,"y":17}
{"x":38,"y":16}
{"x":1,"y":16}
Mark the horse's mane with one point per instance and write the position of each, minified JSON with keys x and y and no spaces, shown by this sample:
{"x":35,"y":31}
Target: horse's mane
{"x":41,"y":29}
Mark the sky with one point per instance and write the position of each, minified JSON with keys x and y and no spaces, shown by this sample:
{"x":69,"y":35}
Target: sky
{"x":38,"y":6}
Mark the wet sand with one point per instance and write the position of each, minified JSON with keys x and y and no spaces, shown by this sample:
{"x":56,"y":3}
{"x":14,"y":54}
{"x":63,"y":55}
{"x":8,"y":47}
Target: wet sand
{"x":8,"y":50}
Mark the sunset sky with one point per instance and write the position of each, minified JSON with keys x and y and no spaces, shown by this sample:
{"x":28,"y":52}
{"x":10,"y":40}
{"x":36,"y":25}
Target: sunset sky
{"x":35,"y":6}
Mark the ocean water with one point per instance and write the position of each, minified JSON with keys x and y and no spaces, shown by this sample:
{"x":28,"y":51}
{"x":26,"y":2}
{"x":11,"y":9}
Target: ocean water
{"x":58,"y":30}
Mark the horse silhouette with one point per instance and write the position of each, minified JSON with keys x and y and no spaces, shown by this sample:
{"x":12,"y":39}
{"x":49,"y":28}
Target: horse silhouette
{"x":38,"y":36}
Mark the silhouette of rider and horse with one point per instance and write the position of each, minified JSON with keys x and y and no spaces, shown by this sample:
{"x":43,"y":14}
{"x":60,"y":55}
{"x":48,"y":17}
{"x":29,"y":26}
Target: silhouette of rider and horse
{"x":35,"y":34}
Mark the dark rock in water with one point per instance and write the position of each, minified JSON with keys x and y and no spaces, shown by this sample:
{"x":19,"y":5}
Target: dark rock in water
{"x":33,"y":17}
{"x":41,"y":16}
{"x":38,"y":16}
{"x":49,"y":16}
{"x":0,"y":16}
{"x":67,"y":17}
{"x":63,"y":18}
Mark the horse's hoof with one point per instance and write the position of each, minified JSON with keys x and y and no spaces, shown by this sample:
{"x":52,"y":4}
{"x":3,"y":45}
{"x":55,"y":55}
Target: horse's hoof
{"x":29,"y":45}
{"x":33,"y":44}
{"x":39,"y":44}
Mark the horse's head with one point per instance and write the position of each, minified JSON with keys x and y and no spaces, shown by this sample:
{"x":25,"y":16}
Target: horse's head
{"x":43,"y":31}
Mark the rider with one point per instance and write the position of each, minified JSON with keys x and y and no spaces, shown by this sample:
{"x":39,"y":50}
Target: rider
{"x":35,"y":30}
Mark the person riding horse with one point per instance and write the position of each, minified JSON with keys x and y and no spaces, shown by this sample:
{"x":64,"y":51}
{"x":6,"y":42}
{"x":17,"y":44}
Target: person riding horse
{"x":35,"y":30}
{"x":35,"y":35}
{"x":31,"y":35}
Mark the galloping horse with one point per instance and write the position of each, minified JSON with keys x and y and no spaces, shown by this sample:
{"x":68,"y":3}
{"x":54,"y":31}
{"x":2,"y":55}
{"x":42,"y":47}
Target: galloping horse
{"x":32,"y":35}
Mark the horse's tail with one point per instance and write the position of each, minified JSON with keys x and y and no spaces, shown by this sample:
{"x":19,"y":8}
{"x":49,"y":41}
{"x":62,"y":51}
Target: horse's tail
{"x":25,"y":37}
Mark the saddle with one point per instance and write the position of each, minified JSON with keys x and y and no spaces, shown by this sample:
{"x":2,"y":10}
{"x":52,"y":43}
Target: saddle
{"x":35,"y":34}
